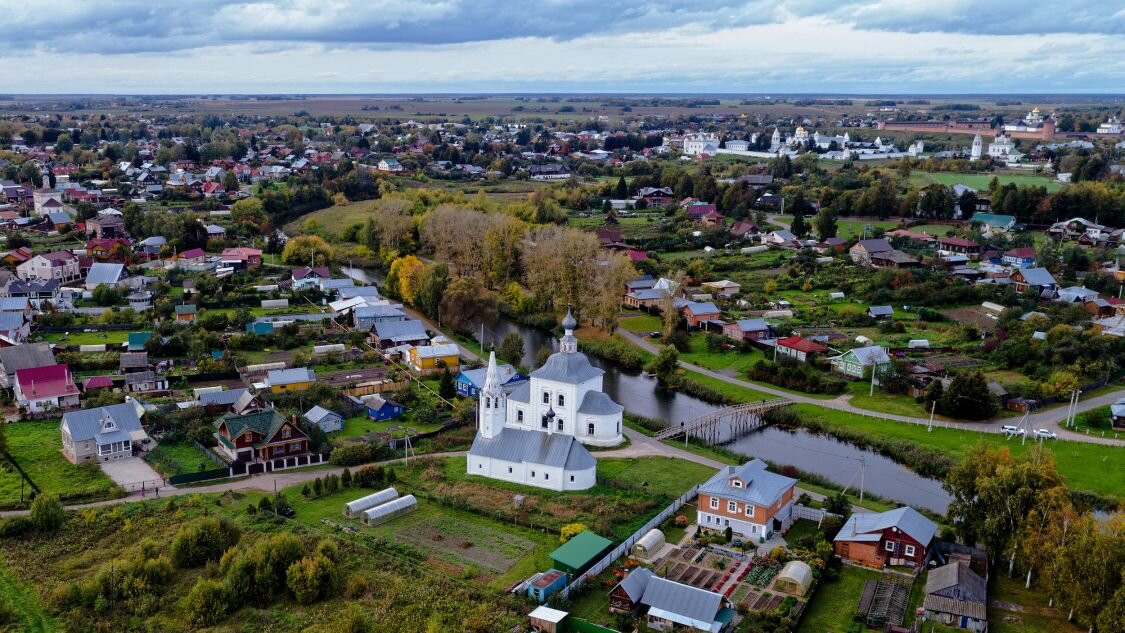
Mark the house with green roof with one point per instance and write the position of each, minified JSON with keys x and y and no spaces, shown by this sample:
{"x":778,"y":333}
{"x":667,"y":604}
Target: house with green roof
{"x":260,"y":436}
{"x":185,"y":313}
{"x":580,"y":552}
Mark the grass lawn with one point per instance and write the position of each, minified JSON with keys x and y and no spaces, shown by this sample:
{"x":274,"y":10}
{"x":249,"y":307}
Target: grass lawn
{"x":884,"y":402}
{"x":78,"y":337}
{"x":38,"y":450}
{"x":937,"y":230}
{"x":1037,"y":619}
{"x":736,"y":392}
{"x":833,"y":603}
{"x":801,"y":527}
{"x":731,"y":359}
{"x":981,"y":181}
{"x":663,"y":475}
{"x":335,"y":218}
{"x":848,"y":228}
{"x":1085,"y":466}
{"x":642,"y":323}
{"x":178,"y":458}
{"x":362,"y":425}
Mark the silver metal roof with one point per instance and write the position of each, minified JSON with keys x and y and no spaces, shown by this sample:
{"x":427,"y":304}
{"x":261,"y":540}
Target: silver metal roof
{"x":535,"y":447}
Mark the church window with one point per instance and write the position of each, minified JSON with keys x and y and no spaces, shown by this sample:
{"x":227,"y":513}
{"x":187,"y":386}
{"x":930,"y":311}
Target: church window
{"x":546,"y":476}
{"x":533,"y":474}
{"x":544,"y":422}
{"x":560,"y":424}
{"x":590,"y":429}
{"x":572,"y":477}
{"x":546,"y":397}
{"x":487,"y":402}
{"x":519,"y":416}
{"x":509,"y":470}
{"x":562,"y":401}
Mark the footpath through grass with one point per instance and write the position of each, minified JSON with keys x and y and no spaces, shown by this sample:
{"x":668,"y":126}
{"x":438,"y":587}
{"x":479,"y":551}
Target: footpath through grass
{"x":37,"y":447}
{"x":1085,"y":466}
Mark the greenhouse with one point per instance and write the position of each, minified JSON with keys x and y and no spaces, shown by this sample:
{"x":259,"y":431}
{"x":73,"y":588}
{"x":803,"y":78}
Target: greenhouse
{"x":353,"y":509}
{"x":390,"y":510}
{"x":795,"y":578}
{"x":649,"y":544}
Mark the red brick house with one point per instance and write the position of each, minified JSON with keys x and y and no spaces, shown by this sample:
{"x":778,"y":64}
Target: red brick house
{"x":696,"y":313}
{"x":899,"y":537}
{"x":800,"y":349}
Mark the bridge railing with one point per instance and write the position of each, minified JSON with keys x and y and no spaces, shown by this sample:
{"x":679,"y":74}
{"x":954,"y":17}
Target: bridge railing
{"x":745,"y":408}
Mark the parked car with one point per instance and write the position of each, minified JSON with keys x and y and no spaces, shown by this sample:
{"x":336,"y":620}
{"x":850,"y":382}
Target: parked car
{"x":1046,"y":434}
{"x":1012,"y":430}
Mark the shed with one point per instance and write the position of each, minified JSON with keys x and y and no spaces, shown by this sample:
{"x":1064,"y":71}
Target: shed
{"x":580,"y":552}
{"x":649,"y":544}
{"x":547,"y":620}
{"x":546,"y":584}
{"x":328,"y":421}
{"x":353,"y":509}
{"x":390,"y":510}
{"x":795,"y":578}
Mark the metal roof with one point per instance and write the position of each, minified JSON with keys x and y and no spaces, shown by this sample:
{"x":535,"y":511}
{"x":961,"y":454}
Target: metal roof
{"x":581,"y":549}
{"x":397,"y":331}
{"x":105,"y":273}
{"x":87,"y":424}
{"x":686,"y":604}
{"x":759,"y":485}
{"x":906,"y":519}
{"x":289,"y":376}
{"x":957,"y":574}
{"x":635,"y":583}
{"x":598,"y":403}
{"x":535,"y":447}
{"x":570,"y":368}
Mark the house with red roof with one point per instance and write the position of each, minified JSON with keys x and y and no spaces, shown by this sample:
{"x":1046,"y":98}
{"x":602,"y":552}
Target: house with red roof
{"x":242,"y":257}
{"x":213,"y":189}
{"x":18,"y":256}
{"x":48,"y":388}
{"x":958,"y":246}
{"x":800,"y":349}
{"x":105,"y":249}
{"x":191,"y":257}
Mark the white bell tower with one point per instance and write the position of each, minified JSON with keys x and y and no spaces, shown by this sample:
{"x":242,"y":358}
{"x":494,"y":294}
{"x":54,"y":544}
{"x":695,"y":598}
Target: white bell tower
{"x":978,"y":147}
{"x":492,"y":407}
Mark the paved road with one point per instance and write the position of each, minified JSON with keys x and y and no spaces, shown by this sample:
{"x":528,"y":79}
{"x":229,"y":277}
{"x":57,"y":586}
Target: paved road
{"x":1049,"y":418}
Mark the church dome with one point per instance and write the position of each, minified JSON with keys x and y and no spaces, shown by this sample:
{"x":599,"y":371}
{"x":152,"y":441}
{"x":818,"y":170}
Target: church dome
{"x":569,"y":322}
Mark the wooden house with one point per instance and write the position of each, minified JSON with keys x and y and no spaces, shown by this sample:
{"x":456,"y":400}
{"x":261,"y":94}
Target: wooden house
{"x":259,"y":436}
{"x":900,"y":537}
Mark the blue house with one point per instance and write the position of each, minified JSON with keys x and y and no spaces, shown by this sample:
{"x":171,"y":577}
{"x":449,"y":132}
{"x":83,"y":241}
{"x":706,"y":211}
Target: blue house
{"x":137,"y":341}
{"x":544,"y":585}
{"x":470,"y":381}
{"x":379,"y":408}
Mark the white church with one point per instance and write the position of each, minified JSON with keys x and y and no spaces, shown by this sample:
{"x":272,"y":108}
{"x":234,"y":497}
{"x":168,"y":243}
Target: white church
{"x":536,"y":434}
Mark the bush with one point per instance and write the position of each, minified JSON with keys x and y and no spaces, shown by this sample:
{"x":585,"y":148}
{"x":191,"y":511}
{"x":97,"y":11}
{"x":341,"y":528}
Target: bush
{"x":797,"y":376}
{"x":370,"y":477}
{"x":258,"y":572}
{"x":617,"y":352}
{"x":357,"y":586}
{"x":206,"y":603}
{"x":311,"y":579}
{"x":15,"y":526}
{"x":204,"y":540}
{"x":355,"y":453}
{"x":47,"y":513}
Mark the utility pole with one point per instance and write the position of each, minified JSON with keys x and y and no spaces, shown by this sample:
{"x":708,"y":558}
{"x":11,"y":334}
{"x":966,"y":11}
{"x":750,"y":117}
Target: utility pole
{"x":862,"y":472}
{"x":874,"y":366}
{"x":930,"y":426}
{"x":275,"y":497}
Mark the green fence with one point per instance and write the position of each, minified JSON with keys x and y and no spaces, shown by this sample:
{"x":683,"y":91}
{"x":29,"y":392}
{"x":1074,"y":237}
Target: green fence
{"x":203,"y":475}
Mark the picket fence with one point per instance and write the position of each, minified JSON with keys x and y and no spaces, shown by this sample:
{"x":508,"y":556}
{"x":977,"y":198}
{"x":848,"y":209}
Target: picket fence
{"x":628,"y":543}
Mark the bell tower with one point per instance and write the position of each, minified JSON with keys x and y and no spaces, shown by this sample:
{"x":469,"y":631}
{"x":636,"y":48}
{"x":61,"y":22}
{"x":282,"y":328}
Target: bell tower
{"x":492,"y":406}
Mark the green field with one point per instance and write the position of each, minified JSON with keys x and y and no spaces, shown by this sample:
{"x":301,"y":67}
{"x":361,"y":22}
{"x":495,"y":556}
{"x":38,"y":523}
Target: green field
{"x":848,"y":228}
{"x":642,"y":323}
{"x":1085,"y":466}
{"x":20,"y":601}
{"x":78,"y":337}
{"x":178,"y":458}
{"x":661,"y":475}
{"x":834,"y":603}
{"x":981,"y":181}
{"x":361,"y":425}
{"x":38,"y":450}
{"x":732,"y":360}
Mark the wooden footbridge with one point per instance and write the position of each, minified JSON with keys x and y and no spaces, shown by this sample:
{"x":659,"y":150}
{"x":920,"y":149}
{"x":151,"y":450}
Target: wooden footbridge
{"x":735,"y":420}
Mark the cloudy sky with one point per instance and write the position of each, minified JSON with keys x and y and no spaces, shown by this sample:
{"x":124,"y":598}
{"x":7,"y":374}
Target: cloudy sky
{"x":382,"y":46}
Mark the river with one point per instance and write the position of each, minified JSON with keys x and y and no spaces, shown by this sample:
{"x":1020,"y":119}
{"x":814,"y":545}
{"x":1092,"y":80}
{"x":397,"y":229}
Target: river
{"x":824,"y":455}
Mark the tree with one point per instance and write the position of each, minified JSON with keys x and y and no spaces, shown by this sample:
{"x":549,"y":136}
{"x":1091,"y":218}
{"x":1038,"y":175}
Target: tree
{"x":511,"y":348}
{"x":542,"y":355}
{"x":204,"y":540}
{"x":307,"y":250}
{"x":826,"y":223}
{"x":249,"y":214}
{"x":798,"y":227}
{"x":446,"y":387}
{"x":992,"y":494}
{"x":47,"y":513}
{"x":621,"y":191}
{"x":570,"y":530}
{"x":346,"y":478}
{"x":466,"y":301}
{"x":435,"y":278}
{"x":665,"y":364}
{"x":230,"y":182}
{"x":408,"y":273}
{"x":968,"y":397}
{"x":64,"y":144}
{"x":1086,"y":572}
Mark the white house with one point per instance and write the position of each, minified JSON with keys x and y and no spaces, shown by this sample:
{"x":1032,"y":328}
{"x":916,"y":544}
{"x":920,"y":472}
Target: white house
{"x":103,"y":434}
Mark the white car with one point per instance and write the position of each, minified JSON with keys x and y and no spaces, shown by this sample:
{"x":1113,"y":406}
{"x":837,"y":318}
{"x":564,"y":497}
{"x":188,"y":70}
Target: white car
{"x":1012,"y":430}
{"x":1046,"y":434}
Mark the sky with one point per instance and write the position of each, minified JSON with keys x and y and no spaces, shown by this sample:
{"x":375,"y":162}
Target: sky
{"x":481,"y":46}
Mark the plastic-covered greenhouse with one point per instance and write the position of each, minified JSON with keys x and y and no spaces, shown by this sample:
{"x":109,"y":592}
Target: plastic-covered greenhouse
{"x":390,"y":510}
{"x":795,"y":578}
{"x":353,"y":509}
{"x":649,"y":544}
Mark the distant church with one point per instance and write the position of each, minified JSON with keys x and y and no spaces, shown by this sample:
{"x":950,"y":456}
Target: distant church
{"x":536,"y":434}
